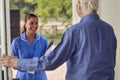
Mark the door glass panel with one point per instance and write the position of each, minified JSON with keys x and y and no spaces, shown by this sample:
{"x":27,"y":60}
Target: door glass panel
{"x":0,"y":50}
{"x":0,"y":33}
{"x":0,"y":36}
{"x":0,"y":39}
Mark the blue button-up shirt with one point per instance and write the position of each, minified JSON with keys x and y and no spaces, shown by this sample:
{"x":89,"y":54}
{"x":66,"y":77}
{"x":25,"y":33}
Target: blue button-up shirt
{"x":22,"y":49}
{"x":89,"y":48}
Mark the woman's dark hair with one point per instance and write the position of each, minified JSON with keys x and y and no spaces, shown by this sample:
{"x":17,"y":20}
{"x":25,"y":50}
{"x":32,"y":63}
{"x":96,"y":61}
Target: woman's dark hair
{"x":27,"y":17}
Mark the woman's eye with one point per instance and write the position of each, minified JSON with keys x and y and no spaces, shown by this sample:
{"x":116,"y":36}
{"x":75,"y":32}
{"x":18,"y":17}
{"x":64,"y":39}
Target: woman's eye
{"x":32,"y":23}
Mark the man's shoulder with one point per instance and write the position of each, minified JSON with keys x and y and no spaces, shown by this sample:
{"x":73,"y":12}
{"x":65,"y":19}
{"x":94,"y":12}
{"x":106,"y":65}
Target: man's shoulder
{"x":106,"y":23}
{"x":75,"y":27}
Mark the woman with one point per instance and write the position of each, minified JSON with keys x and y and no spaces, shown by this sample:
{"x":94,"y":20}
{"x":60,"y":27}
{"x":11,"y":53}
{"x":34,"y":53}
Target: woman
{"x":30,"y":45}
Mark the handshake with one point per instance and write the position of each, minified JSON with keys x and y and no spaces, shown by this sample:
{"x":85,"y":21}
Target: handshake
{"x":9,"y":61}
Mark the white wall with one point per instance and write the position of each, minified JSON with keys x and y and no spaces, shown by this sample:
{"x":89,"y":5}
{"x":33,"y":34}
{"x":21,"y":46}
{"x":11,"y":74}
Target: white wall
{"x":75,"y":17}
{"x":110,"y":12}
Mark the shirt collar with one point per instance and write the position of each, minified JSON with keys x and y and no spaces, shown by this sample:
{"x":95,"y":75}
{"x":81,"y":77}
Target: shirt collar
{"x":89,"y":17}
{"x":24,"y":38}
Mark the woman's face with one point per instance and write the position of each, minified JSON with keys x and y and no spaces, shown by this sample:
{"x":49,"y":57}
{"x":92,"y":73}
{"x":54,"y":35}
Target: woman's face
{"x":31,"y":25}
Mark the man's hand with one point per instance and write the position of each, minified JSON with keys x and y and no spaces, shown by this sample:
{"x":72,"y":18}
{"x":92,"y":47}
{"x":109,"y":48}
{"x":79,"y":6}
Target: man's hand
{"x":9,"y":61}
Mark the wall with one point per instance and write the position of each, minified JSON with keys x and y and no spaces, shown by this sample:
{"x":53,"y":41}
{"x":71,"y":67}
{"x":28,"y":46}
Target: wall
{"x":110,"y":12}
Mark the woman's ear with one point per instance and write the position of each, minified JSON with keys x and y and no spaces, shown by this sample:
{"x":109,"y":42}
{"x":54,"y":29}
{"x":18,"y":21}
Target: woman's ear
{"x":24,"y":24}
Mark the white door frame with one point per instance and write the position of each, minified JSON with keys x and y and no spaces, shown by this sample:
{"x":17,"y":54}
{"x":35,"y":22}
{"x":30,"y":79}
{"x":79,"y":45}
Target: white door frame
{"x":5,"y":36}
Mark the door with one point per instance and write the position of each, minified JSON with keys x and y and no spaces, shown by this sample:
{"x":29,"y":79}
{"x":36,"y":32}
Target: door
{"x":0,"y":55}
{"x":5,"y":73}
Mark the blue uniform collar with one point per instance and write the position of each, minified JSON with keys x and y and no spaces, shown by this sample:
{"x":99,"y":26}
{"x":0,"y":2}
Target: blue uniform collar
{"x":24,"y":38}
{"x":89,"y":17}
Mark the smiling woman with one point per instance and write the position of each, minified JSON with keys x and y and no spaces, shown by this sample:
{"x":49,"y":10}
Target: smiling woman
{"x":29,"y":45}
{"x":45,"y":9}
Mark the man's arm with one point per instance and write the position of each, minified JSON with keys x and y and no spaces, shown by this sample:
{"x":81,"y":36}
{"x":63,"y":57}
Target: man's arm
{"x":56,"y":58}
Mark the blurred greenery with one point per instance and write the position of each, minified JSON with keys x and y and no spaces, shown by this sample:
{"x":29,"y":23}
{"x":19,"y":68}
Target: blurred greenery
{"x":22,"y":6}
{"x":46,"y":9}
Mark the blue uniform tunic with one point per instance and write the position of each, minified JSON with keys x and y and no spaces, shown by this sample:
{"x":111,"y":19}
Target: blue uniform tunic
{"x":22,"y":49}
{"x":89,"y":48}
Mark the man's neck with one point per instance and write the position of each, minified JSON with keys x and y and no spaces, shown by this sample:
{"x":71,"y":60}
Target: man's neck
{"x":87,"y":13}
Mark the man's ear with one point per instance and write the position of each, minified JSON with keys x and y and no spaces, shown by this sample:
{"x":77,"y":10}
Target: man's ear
{"x":78,"y":8}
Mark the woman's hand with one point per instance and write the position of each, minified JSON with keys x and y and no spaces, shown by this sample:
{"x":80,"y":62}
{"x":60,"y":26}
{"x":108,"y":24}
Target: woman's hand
{"x":9,"y":61}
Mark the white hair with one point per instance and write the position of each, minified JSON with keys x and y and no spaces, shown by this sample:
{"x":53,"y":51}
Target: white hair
{"x":89,"y":5}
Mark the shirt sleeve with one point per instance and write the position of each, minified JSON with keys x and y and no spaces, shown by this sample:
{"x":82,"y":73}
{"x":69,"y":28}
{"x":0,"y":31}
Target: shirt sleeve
{"x":54,"y":59}
{"x":14,"y":48}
